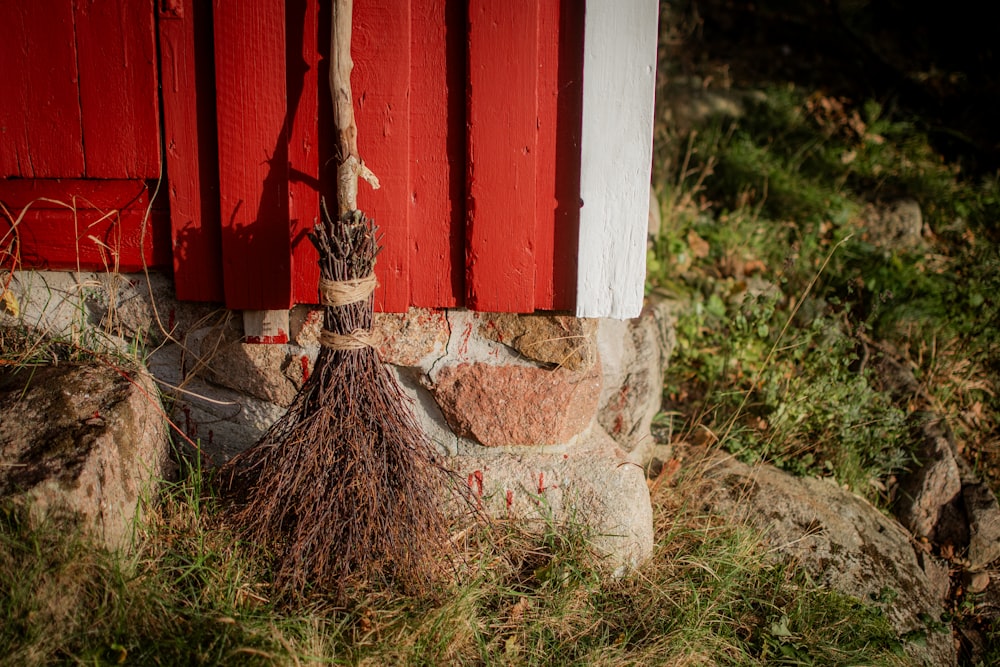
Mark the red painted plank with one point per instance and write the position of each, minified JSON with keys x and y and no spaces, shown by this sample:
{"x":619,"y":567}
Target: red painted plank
{"x":302,"y":55}
{"x":103,"y":194}
{"x":191,"y":145}
{"x":380,"y":48}
{"x":92,"y":240}
{"x":40,"y":133}
{"x":116,"y":52}
{"x":85,"y":225}
{"x":502,"y":127}
{"x":253,"y":153}
{"x":560,"y":114}
{"x":437,"y":153}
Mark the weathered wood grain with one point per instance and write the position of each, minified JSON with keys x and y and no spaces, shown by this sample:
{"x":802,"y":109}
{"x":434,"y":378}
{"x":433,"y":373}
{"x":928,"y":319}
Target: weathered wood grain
{"x":502,"y":128}
{"x":380,"y":48}
{"x":619,"y":73}
{"x":437,"y":153}
{"x":560,"y":92}
{"x":191,"y":142}
{"x":116,"y":53}
{"x":304,"y":86}
{"x":253,"y":153}
{"x":75,"y":224}
{"x":40,"y":124}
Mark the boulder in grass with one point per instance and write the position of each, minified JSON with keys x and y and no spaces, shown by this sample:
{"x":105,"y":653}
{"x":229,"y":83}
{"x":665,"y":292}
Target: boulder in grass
{"x":842,"y":541}
{"x":85,"y":441}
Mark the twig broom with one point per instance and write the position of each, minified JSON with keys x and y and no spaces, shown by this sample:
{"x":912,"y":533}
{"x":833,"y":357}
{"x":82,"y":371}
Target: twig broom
{"x":344,"y":488}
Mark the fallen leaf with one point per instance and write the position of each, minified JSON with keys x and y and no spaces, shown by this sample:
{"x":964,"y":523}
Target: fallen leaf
{"x":10,"y":304}
{"x":699,"y":246}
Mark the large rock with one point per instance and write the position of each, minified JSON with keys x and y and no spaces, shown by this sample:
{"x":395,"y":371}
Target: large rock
{"x":589,"y":485}
{"x":926,"y":492}
{"x":410,"y":339}
{"x":86,"y":440}
{"x":634,"y":354}
{"x":842,"y":541}
{"x":560,"y":340}
{"x":896,"y":226}
{"x":517,"y":405}
{"x":216,"y":422}
{"x":272,"y":373}
{"x":113,"y":310}
{"x":983,"y":513}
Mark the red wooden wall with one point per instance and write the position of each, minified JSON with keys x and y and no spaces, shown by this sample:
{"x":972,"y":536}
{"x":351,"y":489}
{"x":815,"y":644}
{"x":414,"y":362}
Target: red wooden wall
{"x":78,"y":102}
{"x":468,"y":112}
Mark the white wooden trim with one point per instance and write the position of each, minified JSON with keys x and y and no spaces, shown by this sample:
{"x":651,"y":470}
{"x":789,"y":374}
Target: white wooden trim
{"x":265,"y":326}
{"x":619,"y":80}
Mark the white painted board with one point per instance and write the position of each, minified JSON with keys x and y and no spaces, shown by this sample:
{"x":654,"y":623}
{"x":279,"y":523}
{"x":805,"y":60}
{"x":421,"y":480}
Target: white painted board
{"x":619,"y":80}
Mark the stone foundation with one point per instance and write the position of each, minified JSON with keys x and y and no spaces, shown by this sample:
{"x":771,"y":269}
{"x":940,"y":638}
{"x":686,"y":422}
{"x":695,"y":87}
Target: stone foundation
{"x":547,"y":416}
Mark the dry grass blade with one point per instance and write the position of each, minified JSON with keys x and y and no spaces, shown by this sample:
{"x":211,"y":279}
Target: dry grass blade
{"x":345,"y":487}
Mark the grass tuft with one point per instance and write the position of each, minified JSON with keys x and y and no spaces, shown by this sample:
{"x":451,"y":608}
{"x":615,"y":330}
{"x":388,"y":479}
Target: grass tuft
{"x":191,"y":594}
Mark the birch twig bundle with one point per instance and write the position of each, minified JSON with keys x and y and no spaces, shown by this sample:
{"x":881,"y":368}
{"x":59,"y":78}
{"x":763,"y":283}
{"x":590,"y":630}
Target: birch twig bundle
{"x":345,"y":488}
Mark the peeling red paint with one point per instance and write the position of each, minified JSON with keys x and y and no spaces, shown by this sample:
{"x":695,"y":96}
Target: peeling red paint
{"x":619,"y":425}
{"x":541,"y":482}
{"x":279,"y":338}
{"x":476,"y":483}
{"x":510,"y":498}
{"x":304,"y":360}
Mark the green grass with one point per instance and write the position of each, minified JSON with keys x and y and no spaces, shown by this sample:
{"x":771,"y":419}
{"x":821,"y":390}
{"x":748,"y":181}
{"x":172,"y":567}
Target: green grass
{"x":189,"y":595}
{"x":792,"y":300}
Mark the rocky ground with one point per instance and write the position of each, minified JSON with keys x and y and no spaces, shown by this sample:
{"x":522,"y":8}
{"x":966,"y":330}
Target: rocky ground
{"x":938,"y":66}
{"x":929,"y":560}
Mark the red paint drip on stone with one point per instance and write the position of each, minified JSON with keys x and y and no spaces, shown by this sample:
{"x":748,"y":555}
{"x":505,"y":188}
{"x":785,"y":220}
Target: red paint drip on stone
{"x":464,"y":347}
{"x":541,"y":482}
{"x":279,"y":338}
{"x":619,"y":425}
{"x":304,"y":360}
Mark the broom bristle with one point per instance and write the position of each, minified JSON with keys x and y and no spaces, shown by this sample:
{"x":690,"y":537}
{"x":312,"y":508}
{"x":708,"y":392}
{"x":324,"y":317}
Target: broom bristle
{"x":345,"y":487}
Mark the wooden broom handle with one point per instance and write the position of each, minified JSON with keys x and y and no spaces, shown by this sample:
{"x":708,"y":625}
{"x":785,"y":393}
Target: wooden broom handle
{"x":351,"y":165}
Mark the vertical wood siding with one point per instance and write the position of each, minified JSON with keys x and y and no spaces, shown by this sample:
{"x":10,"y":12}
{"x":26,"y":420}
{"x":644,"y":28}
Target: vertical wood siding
{"x":380,"y":83}
{"x":78,"y":103}
{"x":305,"y":89}
{"x":560,"y":94}
{"x":503,"y":139}
{"x":253,"y":153}
{"x":619,"y":73}
{"x":78,"y":93}
{"x":438,"y":50}
{"x":116,"y":53}
{"x":469,"y":111}
{"x":189,"y":135}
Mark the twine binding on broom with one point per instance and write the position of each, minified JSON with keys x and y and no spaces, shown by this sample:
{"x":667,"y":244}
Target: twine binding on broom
{"x":343,"y":293}
{"x":345,"y":490}
{"x":356,"y":340}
